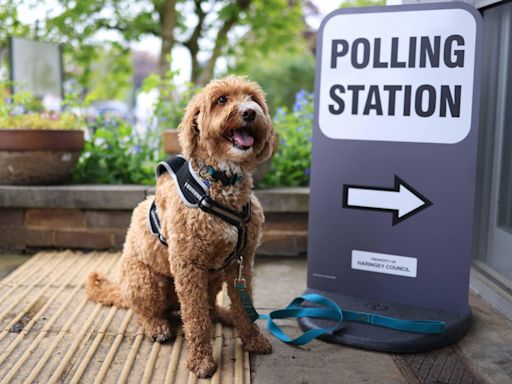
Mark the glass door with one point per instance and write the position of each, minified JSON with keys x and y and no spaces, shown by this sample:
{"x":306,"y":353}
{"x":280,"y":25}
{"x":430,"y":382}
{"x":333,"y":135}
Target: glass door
{"x":494,"y":195}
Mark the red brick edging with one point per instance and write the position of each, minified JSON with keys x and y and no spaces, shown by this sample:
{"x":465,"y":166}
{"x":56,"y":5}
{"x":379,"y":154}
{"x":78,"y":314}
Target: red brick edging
{"x":96,"y":217}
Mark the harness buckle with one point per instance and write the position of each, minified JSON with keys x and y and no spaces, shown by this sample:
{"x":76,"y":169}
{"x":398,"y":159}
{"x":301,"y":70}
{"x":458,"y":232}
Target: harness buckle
{"x":205,"y":204}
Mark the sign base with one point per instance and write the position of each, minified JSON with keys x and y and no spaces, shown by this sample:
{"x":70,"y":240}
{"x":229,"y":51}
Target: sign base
{"x":385,"y":339}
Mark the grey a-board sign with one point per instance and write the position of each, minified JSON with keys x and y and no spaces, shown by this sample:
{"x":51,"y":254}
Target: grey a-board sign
{"x":393,"y":168}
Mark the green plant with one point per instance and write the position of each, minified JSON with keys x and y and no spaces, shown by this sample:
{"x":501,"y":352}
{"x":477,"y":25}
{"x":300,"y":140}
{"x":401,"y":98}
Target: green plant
{"x":282,"y":74}
{"x":40,"y":121}
{"x":292,"y":161}
{"x":23,"y":111}
{"x":115,"y":154}
{"x":170,"y":105}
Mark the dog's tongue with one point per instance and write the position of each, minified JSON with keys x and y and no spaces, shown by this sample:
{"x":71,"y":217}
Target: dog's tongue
{"x":243,"y":138}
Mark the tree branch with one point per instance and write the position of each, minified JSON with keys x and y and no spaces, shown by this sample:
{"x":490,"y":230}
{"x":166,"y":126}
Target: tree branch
{"x":220,"y":41}
{"x":168,"y":20}
{"x":193,"y":42}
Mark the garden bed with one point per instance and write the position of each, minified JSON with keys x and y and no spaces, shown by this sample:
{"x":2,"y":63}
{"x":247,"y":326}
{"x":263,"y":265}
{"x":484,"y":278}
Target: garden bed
{"x":96,"y":217}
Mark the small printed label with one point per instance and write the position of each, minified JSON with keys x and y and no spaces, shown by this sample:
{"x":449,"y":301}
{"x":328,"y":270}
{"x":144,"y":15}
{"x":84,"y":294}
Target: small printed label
{"x":323,"y":276}
{"x":384,"y":263}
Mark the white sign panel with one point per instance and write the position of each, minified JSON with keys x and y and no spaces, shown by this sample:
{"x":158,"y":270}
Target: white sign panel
{"x":398,"y":76}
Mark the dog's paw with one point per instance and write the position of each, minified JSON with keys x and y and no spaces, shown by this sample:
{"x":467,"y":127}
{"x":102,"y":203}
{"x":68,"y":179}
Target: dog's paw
{"x":202,"y":366}
{"x":158,"y":330}
{"x":222,"y":315}
{"x":257,"y":344}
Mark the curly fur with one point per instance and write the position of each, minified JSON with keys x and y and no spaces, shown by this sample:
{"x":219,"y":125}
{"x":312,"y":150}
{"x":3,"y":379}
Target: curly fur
{"x":154,"y":281}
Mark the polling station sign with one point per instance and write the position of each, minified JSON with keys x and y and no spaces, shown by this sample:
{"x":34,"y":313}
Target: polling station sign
{"x":394,"y":154}
{"x":417,"y":71}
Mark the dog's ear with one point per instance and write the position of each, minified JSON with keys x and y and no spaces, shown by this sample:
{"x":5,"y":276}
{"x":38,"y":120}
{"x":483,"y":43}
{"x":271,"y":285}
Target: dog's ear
{"x":269,"y":148}
{"x":188,"y":130}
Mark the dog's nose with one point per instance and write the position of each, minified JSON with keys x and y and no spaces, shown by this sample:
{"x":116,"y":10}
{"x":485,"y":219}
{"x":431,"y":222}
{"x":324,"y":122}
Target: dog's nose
{"x":248,"y":114}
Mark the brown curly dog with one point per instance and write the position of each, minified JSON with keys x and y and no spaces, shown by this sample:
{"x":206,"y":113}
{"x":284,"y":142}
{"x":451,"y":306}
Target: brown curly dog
{"x":226,"y":126}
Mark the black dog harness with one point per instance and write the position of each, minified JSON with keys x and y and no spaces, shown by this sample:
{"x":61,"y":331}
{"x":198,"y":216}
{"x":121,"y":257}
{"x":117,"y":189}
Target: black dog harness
{"x":194,"y":193}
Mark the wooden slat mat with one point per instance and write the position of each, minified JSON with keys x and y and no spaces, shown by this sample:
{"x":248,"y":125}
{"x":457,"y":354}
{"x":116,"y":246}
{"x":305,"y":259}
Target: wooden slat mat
{"x":50,"y":333}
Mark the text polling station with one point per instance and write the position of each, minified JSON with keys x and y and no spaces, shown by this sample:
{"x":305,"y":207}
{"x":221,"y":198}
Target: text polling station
{"x":398,"y":83}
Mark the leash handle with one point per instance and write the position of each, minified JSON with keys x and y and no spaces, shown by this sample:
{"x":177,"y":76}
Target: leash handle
{"x":418,"y":326}
{"x":294,"y":309}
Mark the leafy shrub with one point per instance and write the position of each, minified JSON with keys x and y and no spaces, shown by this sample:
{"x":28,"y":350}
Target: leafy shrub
{"x":40,"y":121}
{"x":282,"y":75}
{"x":170,"y":105}
{"x":23,"y":111}
{"x":115,"y":154}
{"x":291,"y":163}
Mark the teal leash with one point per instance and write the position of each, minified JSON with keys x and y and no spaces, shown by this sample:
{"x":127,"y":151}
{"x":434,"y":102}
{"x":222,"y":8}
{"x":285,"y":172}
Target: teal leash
{"x":328,"y":310}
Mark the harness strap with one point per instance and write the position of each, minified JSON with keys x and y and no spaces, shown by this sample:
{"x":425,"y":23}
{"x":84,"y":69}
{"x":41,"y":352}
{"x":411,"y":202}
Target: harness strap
{"x":194,"y":193}
{"x":154,"y":224}
{"x":331,"y":311}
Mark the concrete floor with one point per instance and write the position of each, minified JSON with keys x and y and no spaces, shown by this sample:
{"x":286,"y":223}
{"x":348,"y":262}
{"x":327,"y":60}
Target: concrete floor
{"x":484,"y":355}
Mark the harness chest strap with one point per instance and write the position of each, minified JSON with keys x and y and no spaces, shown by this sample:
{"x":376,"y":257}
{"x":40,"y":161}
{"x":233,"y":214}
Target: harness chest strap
{"x":194,"y":193}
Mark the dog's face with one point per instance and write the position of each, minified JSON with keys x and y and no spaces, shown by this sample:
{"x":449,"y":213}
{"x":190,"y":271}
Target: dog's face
{"x":228,"y":121}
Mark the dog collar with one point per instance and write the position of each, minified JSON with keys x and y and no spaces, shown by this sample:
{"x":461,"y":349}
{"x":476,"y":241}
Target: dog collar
{"x":223,"y":177}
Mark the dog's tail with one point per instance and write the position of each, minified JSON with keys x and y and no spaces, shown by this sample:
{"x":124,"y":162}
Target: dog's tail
{"x":101,"y":290}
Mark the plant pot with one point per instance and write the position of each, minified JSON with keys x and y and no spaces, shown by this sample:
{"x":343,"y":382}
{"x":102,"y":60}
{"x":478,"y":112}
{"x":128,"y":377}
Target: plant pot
{"x":38,"y":156}
{"x":171,"y":143}
{"x":172,"y":148}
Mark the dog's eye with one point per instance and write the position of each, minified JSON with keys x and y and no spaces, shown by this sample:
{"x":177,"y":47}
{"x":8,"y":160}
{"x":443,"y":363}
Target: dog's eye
{"x":222,"y":100}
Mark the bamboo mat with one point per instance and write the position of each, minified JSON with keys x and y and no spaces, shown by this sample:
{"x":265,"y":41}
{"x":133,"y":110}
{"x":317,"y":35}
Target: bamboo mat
{"x":50,"y":333}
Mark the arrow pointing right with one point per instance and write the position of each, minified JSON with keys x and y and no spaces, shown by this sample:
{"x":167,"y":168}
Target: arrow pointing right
{"x":402,"y":200}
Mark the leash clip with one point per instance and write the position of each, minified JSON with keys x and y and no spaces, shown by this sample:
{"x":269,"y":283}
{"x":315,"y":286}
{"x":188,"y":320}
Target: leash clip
{"x":240,"y":281}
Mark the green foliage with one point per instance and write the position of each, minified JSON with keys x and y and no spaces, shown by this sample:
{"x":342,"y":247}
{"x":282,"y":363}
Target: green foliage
{"x":274,"y":25}
{"x":242,"y":31}
{"x":40,"y":121}
{"x":10,"y":24}
{"x":282,"y":75}
{"x":110,"y":76}
{"x":114,"y":154}
{"x":292,"y":161}
{"x":23,"y":111}
{"x":170,"y":105}
{"x":361,"y":3}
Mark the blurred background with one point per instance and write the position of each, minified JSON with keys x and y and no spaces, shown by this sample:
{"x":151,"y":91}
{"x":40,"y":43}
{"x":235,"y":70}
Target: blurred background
{"x":129,"y":68}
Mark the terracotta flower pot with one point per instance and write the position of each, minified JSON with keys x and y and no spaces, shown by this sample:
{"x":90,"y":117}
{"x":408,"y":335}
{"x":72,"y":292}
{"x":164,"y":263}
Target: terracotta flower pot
{"x":171,"y":143}
{"x":172,"y":148}
{"x":38,"y":156}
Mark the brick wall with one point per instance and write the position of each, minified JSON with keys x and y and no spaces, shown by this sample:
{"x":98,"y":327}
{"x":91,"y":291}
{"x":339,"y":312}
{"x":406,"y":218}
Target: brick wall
{"x":97,"y":217}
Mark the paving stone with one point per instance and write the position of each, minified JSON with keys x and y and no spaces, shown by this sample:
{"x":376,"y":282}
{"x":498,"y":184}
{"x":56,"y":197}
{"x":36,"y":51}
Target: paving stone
{"x":277,"y":282}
